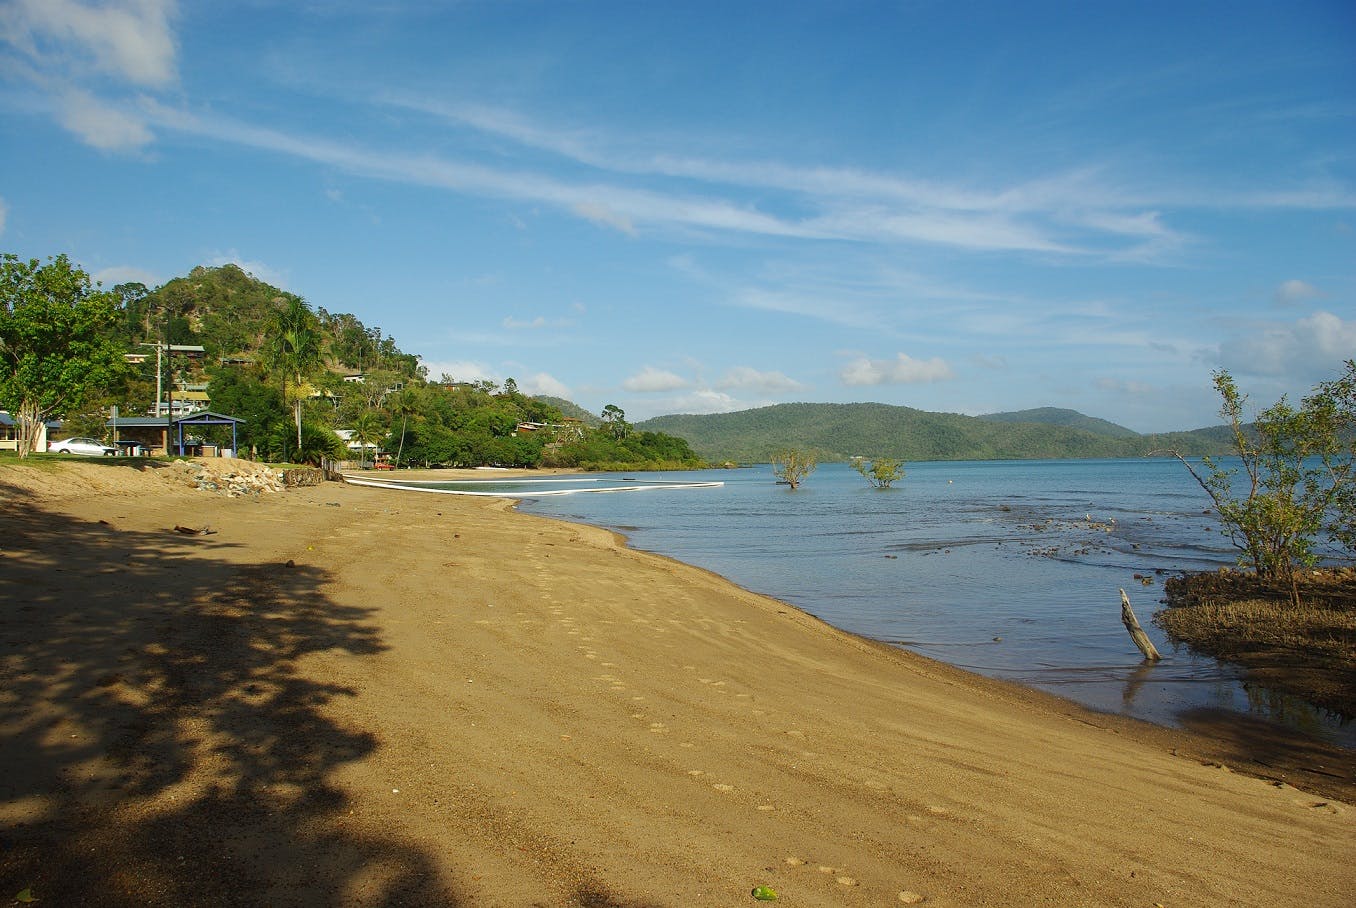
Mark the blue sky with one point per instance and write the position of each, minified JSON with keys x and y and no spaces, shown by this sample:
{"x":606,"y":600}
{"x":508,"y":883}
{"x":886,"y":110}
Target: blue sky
{"x":701,"y":207}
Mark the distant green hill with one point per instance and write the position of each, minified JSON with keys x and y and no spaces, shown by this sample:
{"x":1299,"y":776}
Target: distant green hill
{"x":842,"y":431}
{"x":570,"y":408}
{"x":1071,"y":419}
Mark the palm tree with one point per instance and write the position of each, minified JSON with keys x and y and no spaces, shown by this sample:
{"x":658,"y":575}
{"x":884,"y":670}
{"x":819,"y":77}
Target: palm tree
{"x":293,"y":350}
{"x":406,"y":405}
{"x":367,"y":430}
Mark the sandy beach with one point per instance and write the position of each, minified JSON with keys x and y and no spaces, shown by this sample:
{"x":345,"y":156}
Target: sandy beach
{"x":355,"y":696}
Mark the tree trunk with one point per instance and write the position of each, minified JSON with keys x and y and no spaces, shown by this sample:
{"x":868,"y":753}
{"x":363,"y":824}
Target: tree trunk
{"x":399,"y":450}
{"x":1146,"y":646}
{"x":29,"y":420}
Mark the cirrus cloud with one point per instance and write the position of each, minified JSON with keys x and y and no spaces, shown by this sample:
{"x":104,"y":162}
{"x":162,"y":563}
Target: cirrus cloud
{"x":132,"y":39}
{"x":65,"y":47}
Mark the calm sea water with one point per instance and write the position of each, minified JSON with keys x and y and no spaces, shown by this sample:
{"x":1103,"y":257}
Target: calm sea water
{"x":1011,"y":569}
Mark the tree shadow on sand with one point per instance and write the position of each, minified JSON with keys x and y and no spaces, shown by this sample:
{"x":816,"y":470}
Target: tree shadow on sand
{"x":157,"y":742}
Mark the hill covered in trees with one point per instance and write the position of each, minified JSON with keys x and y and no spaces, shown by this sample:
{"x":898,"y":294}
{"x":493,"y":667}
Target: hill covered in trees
{"x":1071,"y":419}
{"x":296,"y":374}
{"x":843,"y":431}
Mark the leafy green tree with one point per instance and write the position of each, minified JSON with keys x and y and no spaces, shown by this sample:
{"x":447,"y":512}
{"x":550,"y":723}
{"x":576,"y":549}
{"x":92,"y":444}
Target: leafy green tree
{"x":57,"y":345}
{"x":614,"y":420}
{"x":238,"y":393}
{"x":430,"y":443}
{"x":1336,"y":402}
{"x":136,"y":312}
{"x":792,"y":466}
{"x":293,"y":351}
{"x":882,"y":472}
{"x":1297,"y":470}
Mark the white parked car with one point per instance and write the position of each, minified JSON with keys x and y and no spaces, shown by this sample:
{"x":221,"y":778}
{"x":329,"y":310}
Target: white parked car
{"x":92,"y":447}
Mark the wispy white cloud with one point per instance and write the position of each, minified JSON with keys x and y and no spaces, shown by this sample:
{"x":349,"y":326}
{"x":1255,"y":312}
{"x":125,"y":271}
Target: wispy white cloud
{"x":704,"y":400}
{"x":1123,"y":386}
{"x":132,"y":40}
{"x":902,"y":370}
{"x":651,"y":380}
{"x":1309,"y":349}
{"x":264,"y":272}
{"x":544,"y":383}
{"x":790,"y":301}
{"x":537,"y":323}
{"x":125,"y":274}
{"x":4,"y":215}
{"x":66,"y":48}
{"x":613,"y":204}
{"x":1069,"y":215}
{"x":106,"y":126}
{"x":746,"y":378}
{"x":460,"y":370}
{"x":600,"y":213}
{"x":1079,"y":211}
{"x":1292,"y":292}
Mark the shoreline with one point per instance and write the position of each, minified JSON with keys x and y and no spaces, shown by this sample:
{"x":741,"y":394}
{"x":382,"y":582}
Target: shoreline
{"x":338,"y":697}
{"x":1266,"y":696}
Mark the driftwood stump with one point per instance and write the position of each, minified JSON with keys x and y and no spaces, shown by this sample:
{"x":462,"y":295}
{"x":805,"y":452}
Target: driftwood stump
{"x":1146,"y":646}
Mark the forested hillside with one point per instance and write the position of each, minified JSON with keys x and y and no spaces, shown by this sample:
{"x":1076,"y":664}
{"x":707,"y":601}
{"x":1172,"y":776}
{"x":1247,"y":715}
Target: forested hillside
{"x":1071,"y":419}
{"x":299,"y":374}
{"x":842,"y":431}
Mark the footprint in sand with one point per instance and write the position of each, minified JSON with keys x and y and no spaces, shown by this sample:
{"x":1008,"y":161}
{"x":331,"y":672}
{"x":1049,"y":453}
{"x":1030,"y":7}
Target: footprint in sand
{"x":909,"y":897}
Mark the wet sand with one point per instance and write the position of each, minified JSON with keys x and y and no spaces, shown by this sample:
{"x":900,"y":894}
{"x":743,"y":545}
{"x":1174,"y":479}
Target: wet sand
{"x":353,"y":696}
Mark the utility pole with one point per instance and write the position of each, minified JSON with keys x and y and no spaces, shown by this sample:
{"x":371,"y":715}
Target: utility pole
{"x":161,"y":348}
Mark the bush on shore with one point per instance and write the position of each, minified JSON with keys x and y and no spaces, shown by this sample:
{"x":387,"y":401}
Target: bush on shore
{"x":1306,"y":648}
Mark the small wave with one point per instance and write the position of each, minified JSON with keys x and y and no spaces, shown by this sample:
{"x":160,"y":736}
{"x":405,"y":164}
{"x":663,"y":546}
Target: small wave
{"x":504,"y":489}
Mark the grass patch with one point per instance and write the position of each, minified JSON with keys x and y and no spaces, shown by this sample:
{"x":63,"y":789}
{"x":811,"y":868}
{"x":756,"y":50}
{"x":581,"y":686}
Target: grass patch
{"x":1308,"y":650}
{"x":49,"y":463}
